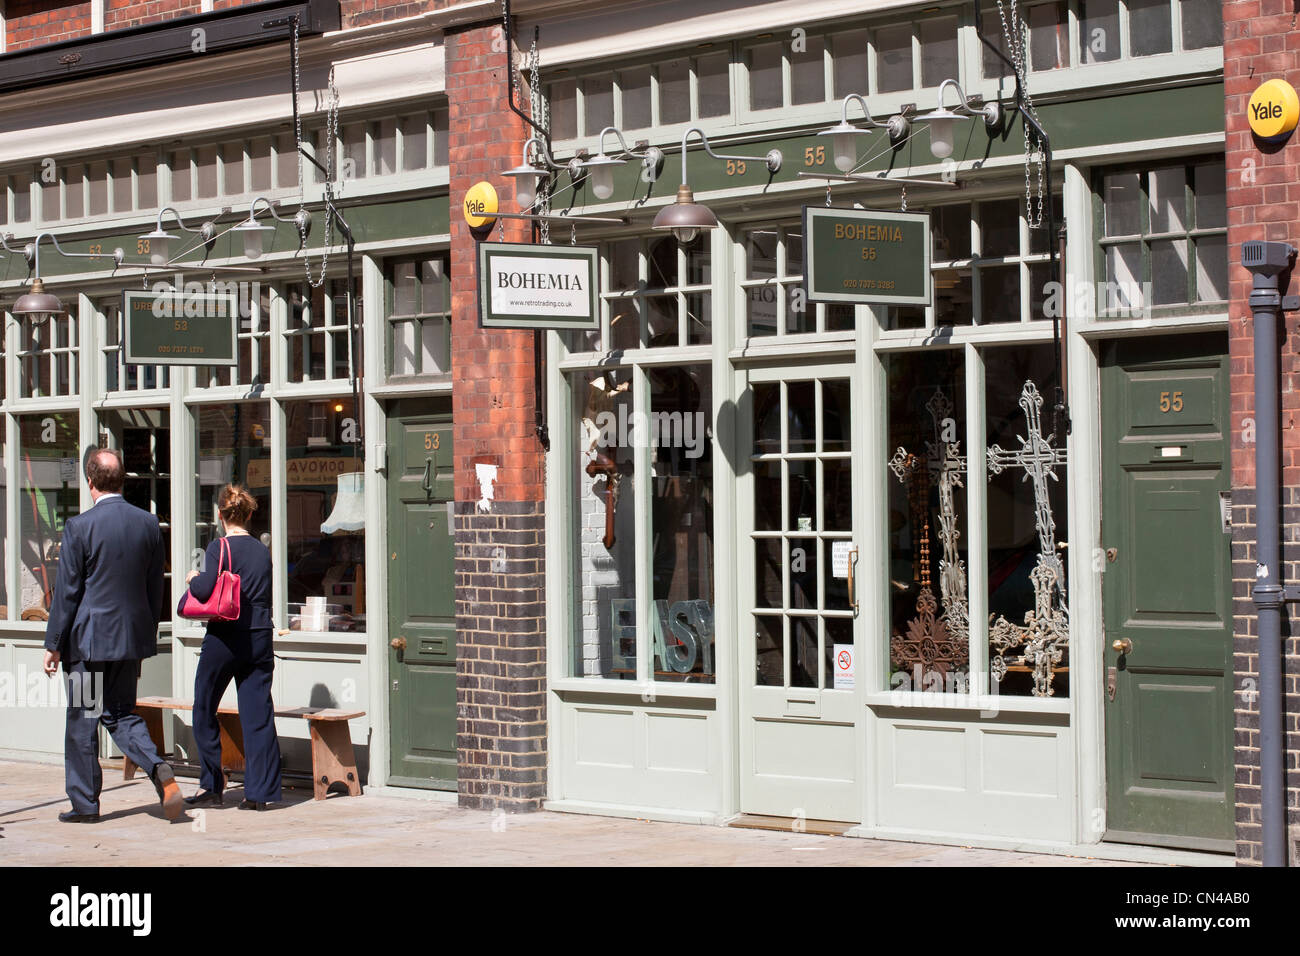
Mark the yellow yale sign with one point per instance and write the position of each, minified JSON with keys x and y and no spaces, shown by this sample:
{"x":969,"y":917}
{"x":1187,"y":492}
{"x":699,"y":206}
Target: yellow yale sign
{"x":480,"y":205}
{"x":1273,"y":110}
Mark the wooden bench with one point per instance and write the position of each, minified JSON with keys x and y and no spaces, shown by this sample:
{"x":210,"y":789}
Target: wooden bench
{"x":332,"y":757}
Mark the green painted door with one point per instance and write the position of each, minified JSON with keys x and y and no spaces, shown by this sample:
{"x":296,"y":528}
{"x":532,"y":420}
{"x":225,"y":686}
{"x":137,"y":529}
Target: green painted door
{"x":421,"y":597}
{"x":1167,"y":590}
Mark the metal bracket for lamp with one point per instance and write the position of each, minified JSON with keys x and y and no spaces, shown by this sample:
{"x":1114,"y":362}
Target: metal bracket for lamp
{"x":684,"y":217}
{"x":37,"y":304}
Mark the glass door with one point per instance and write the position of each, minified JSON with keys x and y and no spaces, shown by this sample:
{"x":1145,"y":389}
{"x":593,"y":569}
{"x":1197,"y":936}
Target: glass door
{"x":799,"y":647}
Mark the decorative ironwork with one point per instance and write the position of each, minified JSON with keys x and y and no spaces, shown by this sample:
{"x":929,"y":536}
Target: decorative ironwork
{"x":1044,"y":637}
{"x":929,"y":647}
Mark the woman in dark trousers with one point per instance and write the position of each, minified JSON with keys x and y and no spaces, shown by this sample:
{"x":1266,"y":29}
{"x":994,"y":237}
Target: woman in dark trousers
{"x":241,"y":649}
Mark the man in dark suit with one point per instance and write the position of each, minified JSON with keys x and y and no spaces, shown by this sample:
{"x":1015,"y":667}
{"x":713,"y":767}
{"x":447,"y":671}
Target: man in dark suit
{"x":104,"y":618}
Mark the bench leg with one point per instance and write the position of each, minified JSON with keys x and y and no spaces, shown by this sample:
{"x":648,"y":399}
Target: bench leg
{"x":232,"y":745}
{"x":153,"y":720}
{"x":332,"y":758}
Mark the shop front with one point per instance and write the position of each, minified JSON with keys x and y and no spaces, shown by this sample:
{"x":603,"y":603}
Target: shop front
{"x":854,"y":562}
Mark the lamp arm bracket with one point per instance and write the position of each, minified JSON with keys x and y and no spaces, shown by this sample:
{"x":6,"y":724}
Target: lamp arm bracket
{"x":772,"y":160}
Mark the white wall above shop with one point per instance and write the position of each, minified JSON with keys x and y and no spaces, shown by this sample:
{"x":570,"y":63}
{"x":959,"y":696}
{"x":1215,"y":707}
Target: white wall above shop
{"x":618,"y":29}
{"x":198,"y":95}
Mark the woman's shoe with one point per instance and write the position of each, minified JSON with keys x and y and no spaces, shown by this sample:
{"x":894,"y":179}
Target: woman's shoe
{"x":252,"y":804}
{"x":204,"y":798}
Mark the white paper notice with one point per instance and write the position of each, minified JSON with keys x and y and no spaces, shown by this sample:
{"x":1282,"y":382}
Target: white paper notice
{"x":844,"y":679}
{"x":840,"y":551}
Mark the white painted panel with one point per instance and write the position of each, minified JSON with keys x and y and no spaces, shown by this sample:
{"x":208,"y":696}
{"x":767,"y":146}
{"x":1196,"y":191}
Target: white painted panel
{"x":677,"y":742}
{"x":804,"y":751}
{"x":929,"y":756}
{"x":32,"y":706}
{"x":1020,"y":764}
{"x":603,"y":737}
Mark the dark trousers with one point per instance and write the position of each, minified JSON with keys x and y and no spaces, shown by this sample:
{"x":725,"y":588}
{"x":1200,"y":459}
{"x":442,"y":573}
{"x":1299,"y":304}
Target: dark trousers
{"x":101,"y":692}
{"x":219,"y":662}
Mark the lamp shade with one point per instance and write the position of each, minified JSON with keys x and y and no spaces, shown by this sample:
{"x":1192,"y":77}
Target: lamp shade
{"x":158,"y":245}
{"x":526,"y":178}
{"x":941,"y":123}
{"x":685,"y":217}
{"x":601,"y":168}
{"x":844,"y":144}
{"x":349,"y":512}
{"x":254,"y":236}
{"x":37,"y":304}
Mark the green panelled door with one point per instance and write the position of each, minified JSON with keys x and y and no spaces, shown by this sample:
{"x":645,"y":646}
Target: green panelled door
{"x":421,"y":597}
{"x":1167,"y":589}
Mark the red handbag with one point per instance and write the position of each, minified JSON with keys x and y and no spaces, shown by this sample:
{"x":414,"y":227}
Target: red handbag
{"x":223,"y":603}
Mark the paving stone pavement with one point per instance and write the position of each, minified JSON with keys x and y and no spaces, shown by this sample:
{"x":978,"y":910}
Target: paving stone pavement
{"x":399,"y":831}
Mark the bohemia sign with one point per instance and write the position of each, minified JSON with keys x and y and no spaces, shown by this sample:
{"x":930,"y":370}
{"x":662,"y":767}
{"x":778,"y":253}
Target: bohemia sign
{"x":865,"y":256}
{"x":173,"y":327}
{"x":522,"y":286}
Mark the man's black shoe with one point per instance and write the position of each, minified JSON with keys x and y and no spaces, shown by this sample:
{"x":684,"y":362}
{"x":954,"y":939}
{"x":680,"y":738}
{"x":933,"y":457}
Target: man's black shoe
{"x":204,"y":798}
{"x":71,"y":816}
{"x":252,"y":805}
{"x":169,"y":791}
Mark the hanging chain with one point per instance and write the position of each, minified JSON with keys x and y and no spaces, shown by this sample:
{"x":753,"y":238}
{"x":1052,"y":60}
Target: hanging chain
{"x":828,"y":195}
{"x":902,"y":200}
{"x":538,"y":106}
{"x":331,"y":132}
{"x":1014,"y":30}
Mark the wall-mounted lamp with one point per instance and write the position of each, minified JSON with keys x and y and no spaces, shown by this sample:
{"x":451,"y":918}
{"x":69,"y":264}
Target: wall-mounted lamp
{"x":530,"y":172}
{"x":844,"y":143}
{"x":36,"y":304}
{"x":601,"y":166}
{"x":685,"y":217}
{"x":254,"y":233}
{"x":942,"y":119}
{"x":159,"y":241}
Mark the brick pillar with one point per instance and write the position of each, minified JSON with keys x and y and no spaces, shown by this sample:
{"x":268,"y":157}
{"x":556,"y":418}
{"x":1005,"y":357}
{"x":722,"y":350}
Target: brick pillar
{"x":1263,"y":203}
{"x":500,"y":588}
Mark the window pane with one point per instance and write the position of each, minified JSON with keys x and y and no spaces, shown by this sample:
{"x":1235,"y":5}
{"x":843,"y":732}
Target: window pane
{"x":849,"y":51}
{"x":206,"y":160}
{"x":144,"y":439}
{"x":415,"y":136}
{"x":994,"y":65}
{"x":406,"y":289}
{"x":180,"y":175}
{"x":950,"y":226}
{"x":1212,"y":269}
{"x":1098,"y":31}
{"x":49,"y":198}
{"x":122,"y":186}
{"x":808,"y":72}
{"x":232,"y":163}
{"x":953,"y":300}
{"x":765,"y":77}
{"x":634,"y":87}
{"x":1167,"y":196}
{"x":50,"y":476}
{"x":674,"y":91}
{"x":1149,"y":27}
{"x":22,"y":188}
{"x":928,"y":647}
{"x":1121,"y":194}
{"x":623,"y":263}
{"x":286,"y":161}
{"x":1000,"y":294}
{"x":894,"y":59}
{"x":1208,"y":181}
{"x":713,"y":77}
{"x":1202,"y":23}
{"x":563,"y":100}
{"x":1026,"y":570}
{"x":598,"y":103}
{"x":146,"y":181}
{"x":355,"y":165}
{"x":1049,"y":36}
{"x":440,"y":137}
{"x":605,"y":638}
{"x":234,"y":446}
{"x":385,"y":140}
{"x":434,"y":292}
{"x":1124,"y":291}
{"x":1169,"y":272}
{"x":326,"y":568}
{"x":74,"y":191}
{"x":260,"y":155}
{"x":1000,"y":227}
{"x":681,"y":517}
{"x":938,"y":50}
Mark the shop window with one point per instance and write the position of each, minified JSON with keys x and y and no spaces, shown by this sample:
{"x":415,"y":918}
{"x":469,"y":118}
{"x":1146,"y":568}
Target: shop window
{"x":119,"y":376}
{"x":252,"y":341}
{"x":929,"y":632}
{"x":1026,"y":524}
{"x":803,"y":500}
{"x":773,"y":287}
{"x":234,"y":446}
{"x":47,"y":360}
{"x":144,"y":440}
{"x":316,"y":331}
{"x":1162,"y":238}
{"x":49,"y":481}
{"x":419,"y":317}
{"x":325,"y":549}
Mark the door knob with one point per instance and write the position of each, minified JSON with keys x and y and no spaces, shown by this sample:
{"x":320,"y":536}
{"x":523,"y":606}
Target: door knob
{"x":1123,"y":645}
{"x":398,"y":643}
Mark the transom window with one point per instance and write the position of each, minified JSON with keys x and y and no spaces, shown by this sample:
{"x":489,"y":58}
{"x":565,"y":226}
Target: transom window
{"x":419,"y":317}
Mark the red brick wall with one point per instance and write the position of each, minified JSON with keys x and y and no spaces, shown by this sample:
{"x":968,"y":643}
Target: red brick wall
{"x":119,"y":14}
{"x":500,"y":595}
{"x":1261,"y":43}
{"x":30,"y":23}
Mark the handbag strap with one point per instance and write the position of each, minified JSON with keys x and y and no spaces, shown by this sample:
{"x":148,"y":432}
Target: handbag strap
{"x":225,"y":555}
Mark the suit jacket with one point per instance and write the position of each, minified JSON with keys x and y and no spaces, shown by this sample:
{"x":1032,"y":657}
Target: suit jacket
{"x":108,"y":597}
